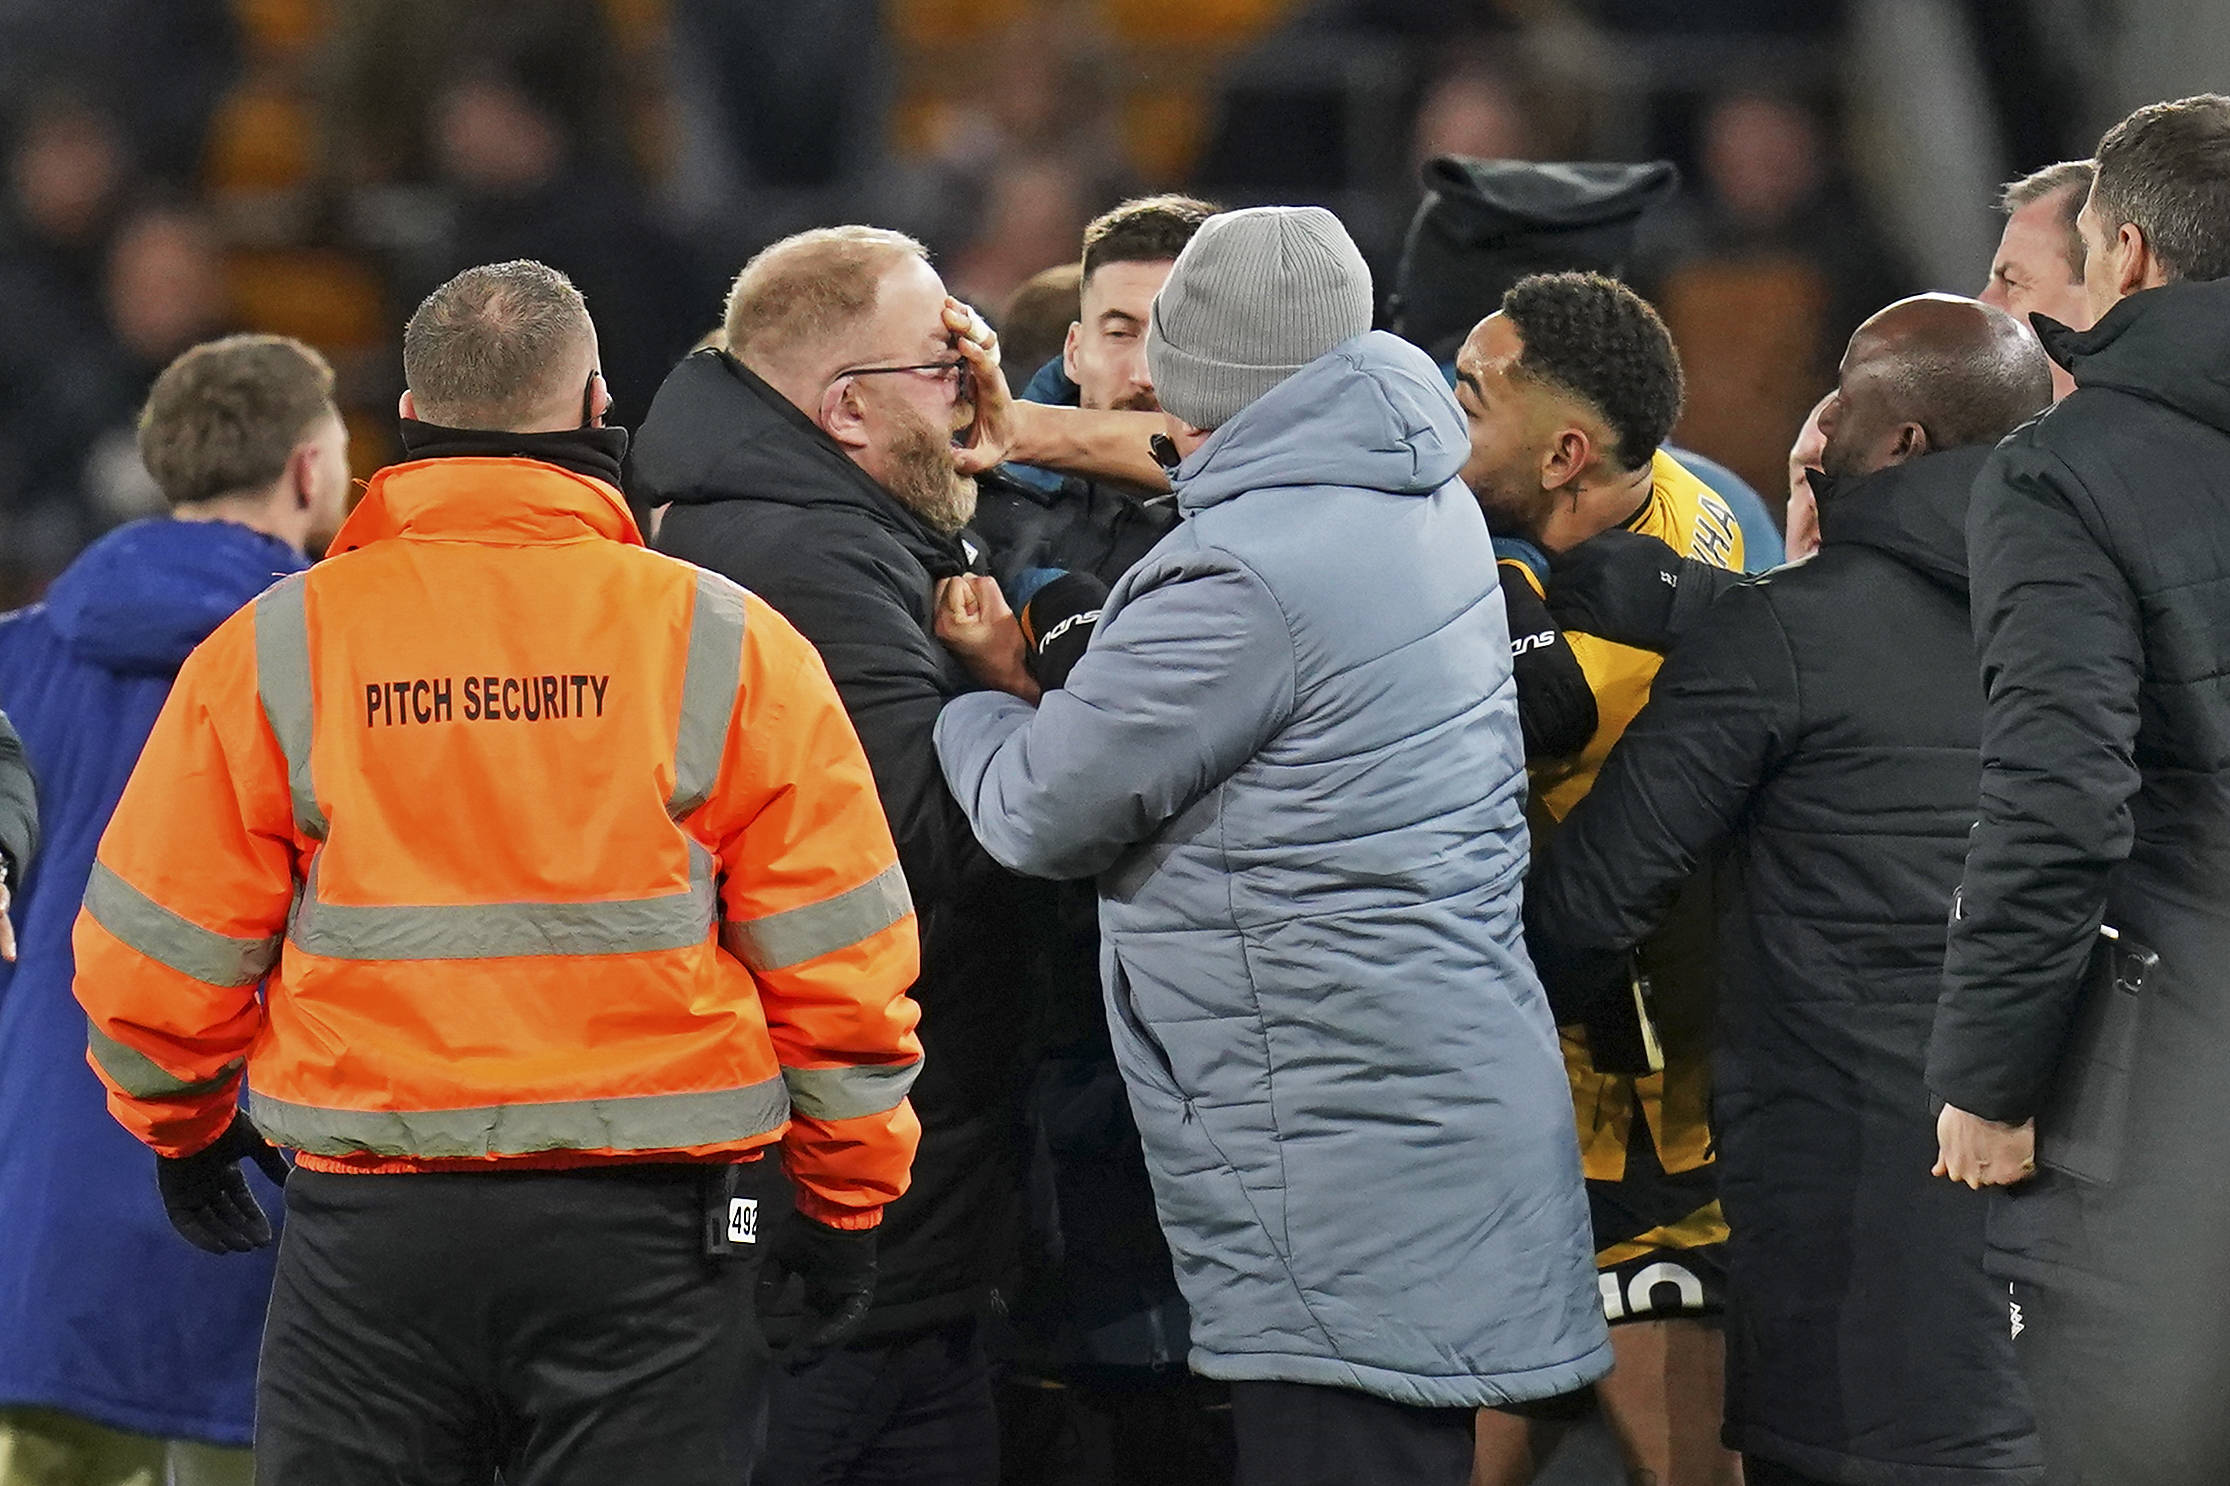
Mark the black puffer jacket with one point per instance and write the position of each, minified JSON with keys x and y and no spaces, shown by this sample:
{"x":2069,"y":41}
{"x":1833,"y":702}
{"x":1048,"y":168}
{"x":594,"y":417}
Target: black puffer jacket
{"x":2101,"y":545}
{"x":760,"y":494}
{"x":1820,"y":724}
{"x":1034,"y":525}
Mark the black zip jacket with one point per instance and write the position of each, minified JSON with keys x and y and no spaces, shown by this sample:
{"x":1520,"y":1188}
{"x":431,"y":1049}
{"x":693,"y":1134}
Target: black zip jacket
{"x":1817,"y":730}
{"x":2100,"y":536}
{"x":757,"y":492}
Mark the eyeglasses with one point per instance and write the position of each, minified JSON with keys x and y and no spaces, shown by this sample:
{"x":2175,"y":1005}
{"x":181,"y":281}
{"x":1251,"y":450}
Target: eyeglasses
{"x":955,"y":366}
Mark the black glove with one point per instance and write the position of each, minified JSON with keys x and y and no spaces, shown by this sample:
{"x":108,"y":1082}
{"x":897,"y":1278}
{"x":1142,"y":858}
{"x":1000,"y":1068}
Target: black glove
{"x":1585,"y":986}
{"x":1057,"y":624}
{"x":1633,"y":590}
{"x":1556,"y":706}
{"x":838,"y":1268}
{"x":206,"y":1193}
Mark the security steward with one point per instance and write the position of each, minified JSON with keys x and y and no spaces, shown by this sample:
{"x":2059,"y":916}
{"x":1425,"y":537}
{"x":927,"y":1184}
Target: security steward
{"x":537,"y":886}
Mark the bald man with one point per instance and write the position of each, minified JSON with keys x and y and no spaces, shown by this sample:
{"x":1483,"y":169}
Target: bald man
{"x":1821,"y":727}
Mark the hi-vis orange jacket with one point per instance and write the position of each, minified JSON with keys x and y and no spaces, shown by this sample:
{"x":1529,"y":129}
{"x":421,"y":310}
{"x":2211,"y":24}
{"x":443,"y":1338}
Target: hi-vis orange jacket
{"x":542,"y":848}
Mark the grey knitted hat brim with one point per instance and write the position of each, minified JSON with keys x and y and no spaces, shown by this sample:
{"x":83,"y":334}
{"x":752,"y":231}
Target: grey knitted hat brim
{"x":1254,"y":297}
{"x":1236,"y":385}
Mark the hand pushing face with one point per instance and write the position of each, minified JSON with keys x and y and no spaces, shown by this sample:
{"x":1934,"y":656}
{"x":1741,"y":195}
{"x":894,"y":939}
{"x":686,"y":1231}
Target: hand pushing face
{"x":985,"y":435}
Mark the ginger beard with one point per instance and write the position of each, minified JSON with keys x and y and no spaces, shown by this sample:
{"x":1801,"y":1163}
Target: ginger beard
{"x":923,"y":478}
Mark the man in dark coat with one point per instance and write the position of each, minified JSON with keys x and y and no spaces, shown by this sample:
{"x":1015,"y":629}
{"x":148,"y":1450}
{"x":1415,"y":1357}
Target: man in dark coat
{"x":2100,"y":545}
{"x":1038,"y":521}
{"x":1106,"y":1323}
{"x":813,"y":462}
{"x":1821,"y":726}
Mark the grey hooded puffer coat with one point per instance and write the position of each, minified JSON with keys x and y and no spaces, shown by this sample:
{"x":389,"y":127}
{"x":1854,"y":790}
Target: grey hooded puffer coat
{"x":1291,"y":757}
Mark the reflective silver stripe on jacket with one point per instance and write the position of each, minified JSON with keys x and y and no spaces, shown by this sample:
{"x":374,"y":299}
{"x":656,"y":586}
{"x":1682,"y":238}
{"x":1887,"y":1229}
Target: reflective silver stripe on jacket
{"x":644,"y":1122}
{"x":848,"y":1093}
{"x":796,"y":935}
{"x":708,"y":691}
{"x":283,"y":683}
{"x":488,"y":931}
{"x":142,"y":1077}
{"x":146,"y":926}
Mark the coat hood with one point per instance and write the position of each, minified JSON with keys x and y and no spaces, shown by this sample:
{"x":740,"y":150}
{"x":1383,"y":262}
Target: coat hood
{"x":1373,"y":413}
{"x":717,"y":432}
{"x":142,"y":597}
{"x":2169,"y":345}
{"x":1914,"y":512}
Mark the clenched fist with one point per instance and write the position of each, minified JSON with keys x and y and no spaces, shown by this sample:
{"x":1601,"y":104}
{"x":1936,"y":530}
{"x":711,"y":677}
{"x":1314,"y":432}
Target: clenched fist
{"x":975,"y":623}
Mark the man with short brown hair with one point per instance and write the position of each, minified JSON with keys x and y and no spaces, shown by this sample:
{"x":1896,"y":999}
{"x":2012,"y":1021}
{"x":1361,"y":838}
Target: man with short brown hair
{"x":2099,"y":540}
{"x":495,"y":339}
{"x":2038,"y":269}
{"x":1039,"y":521}
{"x":128,"y":1351}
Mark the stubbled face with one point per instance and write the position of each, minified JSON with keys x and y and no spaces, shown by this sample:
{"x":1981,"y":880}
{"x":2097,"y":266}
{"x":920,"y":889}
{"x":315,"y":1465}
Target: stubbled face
{"x":329,"y":480}
{"x":910,"y":419}
{"x":1508,"y":419}
{"x":2031,"y":274}
{"x":1106,"y":352}
{"x":1858,"y":424}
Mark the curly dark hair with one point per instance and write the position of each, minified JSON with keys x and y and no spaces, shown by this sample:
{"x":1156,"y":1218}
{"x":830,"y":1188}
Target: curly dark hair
{"x":1594,"y":339}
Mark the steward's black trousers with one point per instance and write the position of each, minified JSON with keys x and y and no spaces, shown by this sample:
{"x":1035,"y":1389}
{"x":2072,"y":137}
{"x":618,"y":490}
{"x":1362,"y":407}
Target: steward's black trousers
{"x":564,"y":1328}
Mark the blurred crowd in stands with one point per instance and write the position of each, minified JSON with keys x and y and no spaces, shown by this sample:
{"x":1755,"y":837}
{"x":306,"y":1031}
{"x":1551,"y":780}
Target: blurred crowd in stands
{"x":313,"y":167}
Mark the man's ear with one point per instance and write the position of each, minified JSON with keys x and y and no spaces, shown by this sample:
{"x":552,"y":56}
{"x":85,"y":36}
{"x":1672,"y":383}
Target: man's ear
{"x":301,"y":470}
{"x":408,"y":407}
{"x":843,"y":414}
{"x":1912,"y":442}
{"x":1068,"y":350}
{"x":1569,"y":453}
{"x":2140,"y":267}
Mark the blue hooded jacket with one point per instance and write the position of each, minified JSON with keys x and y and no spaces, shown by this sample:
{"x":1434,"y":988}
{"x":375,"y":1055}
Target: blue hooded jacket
{"x":1291,"y":756}
{"x":106,"y":1313}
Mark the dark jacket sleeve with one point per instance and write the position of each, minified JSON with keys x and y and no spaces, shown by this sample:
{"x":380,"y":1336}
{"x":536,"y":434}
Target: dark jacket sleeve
{"x":1634,"y":590}
{"x":19,"y":805}
{"x":888,"y":669}
{"x":1721,"y":716}
{"x":1556,"y":705}
{"x":2058,"y":633}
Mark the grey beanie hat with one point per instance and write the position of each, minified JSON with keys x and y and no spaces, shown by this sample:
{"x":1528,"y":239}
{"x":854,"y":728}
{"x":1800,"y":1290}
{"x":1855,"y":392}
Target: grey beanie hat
{"x":1255,"y":296}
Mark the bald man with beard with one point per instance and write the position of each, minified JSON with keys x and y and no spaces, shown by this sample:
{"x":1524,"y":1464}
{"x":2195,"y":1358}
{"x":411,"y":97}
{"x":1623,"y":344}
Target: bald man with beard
{"x":1818,"y":730}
